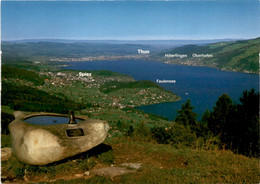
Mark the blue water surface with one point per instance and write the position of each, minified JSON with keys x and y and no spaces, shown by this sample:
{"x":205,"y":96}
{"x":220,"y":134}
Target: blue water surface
{"x":203,"y":85}
{"x":49,"y":120}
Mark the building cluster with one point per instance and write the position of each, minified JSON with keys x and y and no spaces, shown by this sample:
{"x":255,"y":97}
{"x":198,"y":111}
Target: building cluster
{"x":87,"y":90}
{"x":62,"y":79}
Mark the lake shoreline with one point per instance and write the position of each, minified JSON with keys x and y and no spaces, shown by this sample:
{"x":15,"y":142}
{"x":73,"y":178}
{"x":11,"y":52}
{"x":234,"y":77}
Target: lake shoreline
{"x":203,"y":85}
{"x":150,"y":58}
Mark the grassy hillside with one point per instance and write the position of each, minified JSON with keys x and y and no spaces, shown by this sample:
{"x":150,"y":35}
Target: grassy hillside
{"x":14,"y":73}
{"x":30,"y":99}
{"x":160,"y":164}
{"x":239,"y":56}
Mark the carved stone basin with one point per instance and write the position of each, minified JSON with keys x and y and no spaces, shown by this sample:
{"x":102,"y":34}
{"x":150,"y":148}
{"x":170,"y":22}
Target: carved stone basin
{"x":43,"y":138}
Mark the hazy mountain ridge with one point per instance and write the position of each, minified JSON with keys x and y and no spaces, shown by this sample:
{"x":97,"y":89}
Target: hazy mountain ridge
{"x":166,"y":43}
{"x":239,"y":56}
{"x":77,"y":49}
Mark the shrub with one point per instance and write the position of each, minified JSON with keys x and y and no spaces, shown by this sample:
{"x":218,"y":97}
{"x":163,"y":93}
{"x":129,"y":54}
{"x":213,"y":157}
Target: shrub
{"x":130,"y":131}
{"x":175,"y":135}
{"x":208,"y":143}
{"x":142,"y":130}
{"x":161,"y":135}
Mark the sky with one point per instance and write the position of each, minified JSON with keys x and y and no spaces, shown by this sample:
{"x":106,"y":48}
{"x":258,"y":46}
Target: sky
{"x":130,"y":20}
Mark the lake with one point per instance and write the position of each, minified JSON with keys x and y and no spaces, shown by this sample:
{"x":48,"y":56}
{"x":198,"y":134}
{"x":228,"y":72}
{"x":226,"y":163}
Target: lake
{"x":203,"y":85}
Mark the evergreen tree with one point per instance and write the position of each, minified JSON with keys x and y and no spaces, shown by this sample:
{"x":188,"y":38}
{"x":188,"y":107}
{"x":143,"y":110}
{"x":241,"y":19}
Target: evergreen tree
{"x":246,"y":132}
{"x":205,"y":117}
{"x":186,"y":116}
{"x":237,"y":125}
{"x":221,"y":120}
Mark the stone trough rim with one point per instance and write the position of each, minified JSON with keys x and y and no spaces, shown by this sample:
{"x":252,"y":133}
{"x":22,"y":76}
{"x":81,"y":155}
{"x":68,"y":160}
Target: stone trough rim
{"x":67,"y":139}
{"x":22,"y":115}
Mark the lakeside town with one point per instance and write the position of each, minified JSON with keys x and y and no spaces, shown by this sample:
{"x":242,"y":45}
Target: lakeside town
{"x":84,"y":87}
{"x":98,"y":58}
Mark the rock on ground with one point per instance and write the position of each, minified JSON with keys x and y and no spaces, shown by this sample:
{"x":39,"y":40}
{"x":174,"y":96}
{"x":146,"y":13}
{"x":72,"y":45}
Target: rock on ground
{"x":112,"y":171}
{"x":132,"y":165}
{"x":116,"y":171}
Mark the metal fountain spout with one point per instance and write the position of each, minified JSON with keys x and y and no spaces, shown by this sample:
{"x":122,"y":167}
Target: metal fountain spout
{"x":72,"y":117}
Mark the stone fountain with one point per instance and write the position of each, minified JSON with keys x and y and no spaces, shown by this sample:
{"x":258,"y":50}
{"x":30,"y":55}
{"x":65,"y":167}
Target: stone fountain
{"x":43,"y":138}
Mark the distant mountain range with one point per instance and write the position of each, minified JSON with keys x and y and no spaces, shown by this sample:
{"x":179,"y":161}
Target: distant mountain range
{"x":155,"y":43}
{"x":75,"y":49}
{"x":87,"y":48}
{"x":229,"y":55}
{"x":242,"y":55}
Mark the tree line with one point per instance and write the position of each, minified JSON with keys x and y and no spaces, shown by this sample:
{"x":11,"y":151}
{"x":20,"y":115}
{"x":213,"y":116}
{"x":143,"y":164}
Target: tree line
{"x":235,"y":124}
{"x":11,"y":72}
{"x":116,"y":85}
